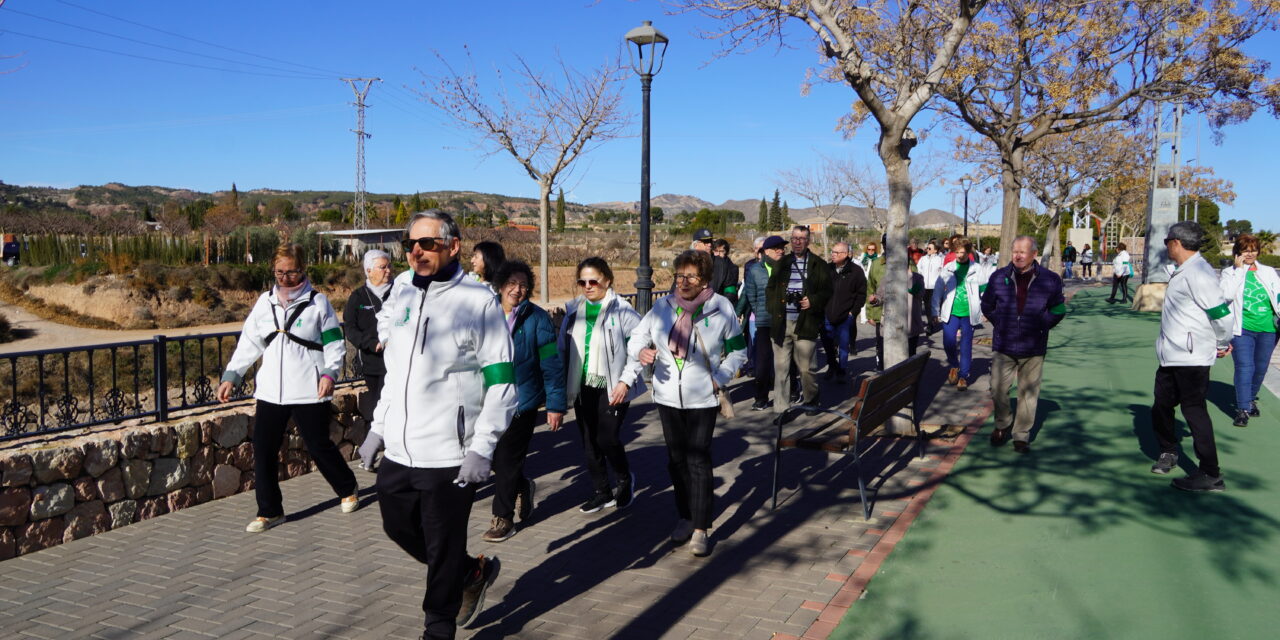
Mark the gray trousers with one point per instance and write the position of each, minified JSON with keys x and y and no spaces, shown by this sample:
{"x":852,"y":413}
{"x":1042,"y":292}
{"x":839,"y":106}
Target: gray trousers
{"x":802,"y":350}
{"x":1027,"y":370}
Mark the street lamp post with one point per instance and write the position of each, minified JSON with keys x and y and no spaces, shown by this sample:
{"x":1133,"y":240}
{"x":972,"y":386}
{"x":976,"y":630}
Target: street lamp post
{"x":965,"y":183}
{"x":646,"y":66}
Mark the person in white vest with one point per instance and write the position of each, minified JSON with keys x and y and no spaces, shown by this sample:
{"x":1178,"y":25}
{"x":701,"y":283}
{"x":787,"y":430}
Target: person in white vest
{"x":930,"y":269}
{"x":1253,"y":289}
{"x":295,"y":331}
{"x":1195,"y":330}
{"x":449,"y":395}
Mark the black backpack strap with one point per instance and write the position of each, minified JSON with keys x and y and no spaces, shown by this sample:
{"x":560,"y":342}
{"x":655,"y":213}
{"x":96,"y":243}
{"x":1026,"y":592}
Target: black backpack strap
{"x":293,"y":317}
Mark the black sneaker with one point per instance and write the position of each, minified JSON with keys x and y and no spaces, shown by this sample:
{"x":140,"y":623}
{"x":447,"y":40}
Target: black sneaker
{"x":1253,"y":411}
{"x":761,"y":406}
{"x":597,"y":502}
{"x":1164,"y":464}
{"x":1200,"y":483}
{"x":624,"y":494}
{"x":474,"y":588}
{"x":1021,"y":447}
{"x":524,"y":499}
{"x":1242,"y":419}
{"x":1000,"y":436}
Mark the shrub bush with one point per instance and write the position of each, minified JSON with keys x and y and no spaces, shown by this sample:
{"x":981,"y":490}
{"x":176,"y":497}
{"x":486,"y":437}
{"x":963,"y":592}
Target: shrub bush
{"x":1270,"y":260}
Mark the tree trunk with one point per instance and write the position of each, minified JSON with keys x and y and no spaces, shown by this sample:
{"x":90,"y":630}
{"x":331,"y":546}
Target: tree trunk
{"x":893,"y":289}
{"x":1053,"y":242}
{"x":544,"y":218}
{"x":1012,"y":167}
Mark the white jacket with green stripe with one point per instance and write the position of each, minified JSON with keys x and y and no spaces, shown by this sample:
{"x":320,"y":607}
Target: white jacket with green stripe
{"x":450,"y":384}
{"x":1195,"y":321}
{"x":290,"y":372}
{"x":944,"y":290}
{"x":689,"y":386}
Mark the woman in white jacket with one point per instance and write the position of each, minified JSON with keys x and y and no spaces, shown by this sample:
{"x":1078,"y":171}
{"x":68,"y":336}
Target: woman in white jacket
{"x":956,"y":305}
{"x":1252,"y":289}
{"x":1086,"y":263}
{"x":295,"y":331}
{"x":593,"y":340}
{"x":1121,"y":271}
{"x":930,"y":269}
{"x":694,"y":342}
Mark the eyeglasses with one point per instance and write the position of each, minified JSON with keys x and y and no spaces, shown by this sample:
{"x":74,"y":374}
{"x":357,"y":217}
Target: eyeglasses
{"x":292,"y":273}
{"x":688,"y":277}
{"x":590,"y":283}
{"x":838,"y":253}
{"x":516,"y":284}
{"x":424,"y":243}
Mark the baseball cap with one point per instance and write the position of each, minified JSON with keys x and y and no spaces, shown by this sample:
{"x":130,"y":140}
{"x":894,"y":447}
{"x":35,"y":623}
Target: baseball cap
{"x":703,"y":235}
{"x":773,"y":242}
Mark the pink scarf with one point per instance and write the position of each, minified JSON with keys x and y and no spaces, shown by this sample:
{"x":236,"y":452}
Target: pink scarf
{"x":678,"y":340}
{"x":285,"y":295}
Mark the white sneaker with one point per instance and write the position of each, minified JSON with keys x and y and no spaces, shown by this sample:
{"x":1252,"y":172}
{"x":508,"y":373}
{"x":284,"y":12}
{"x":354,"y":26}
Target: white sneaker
{"x":260,"y":524}
{"x":683,"y":530}
{"x":698,"y":544}
{"x":350,"y":503}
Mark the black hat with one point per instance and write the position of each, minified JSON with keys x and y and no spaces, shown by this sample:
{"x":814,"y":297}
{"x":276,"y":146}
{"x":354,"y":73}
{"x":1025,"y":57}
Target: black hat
{"x":773,"y":242}
{"x":703,"y":235}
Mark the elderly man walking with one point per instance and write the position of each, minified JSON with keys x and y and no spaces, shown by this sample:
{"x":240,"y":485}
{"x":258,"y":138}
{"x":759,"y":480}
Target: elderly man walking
{"x":1195,"y":330}
{"x":1023,"y":301}
{"x":450,"y":394}
{"x":797,"y":295}
{"x":840,"y":329}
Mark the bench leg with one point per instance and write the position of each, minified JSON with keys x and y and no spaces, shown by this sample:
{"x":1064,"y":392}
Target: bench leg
{"x":862,"y":485}
{"x":777,"y":460}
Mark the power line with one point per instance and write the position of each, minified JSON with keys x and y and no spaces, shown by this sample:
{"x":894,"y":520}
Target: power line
{"x":161,"y":46}
{"x":173,"y":62}
{"x":203,"y":42}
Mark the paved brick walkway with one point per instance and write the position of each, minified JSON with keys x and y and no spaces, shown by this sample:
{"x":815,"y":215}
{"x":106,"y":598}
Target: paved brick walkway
{"x":197,"y":574}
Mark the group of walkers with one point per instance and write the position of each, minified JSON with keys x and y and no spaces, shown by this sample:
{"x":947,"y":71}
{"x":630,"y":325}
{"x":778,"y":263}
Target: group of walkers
{"x":459,"y":368}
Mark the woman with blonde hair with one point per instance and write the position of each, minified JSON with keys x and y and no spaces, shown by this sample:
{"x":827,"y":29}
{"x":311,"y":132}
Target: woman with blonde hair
{"x":295,"y":332}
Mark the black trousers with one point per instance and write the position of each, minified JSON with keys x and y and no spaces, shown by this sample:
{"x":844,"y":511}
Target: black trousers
{"x":928,"y":311}
{"x":601,"y":427}
{"x":269,"y":423}
{"x":1185,"y":386}
{"x":1086,"y":269}
{"x":508,"y":463}
{"x":688,"y":435}
{"x":913,"y":343}
{"x":370,"y":399}
{"x":1121,"y":283}
{"x":426,"y":514}
{"x":764,"y":364}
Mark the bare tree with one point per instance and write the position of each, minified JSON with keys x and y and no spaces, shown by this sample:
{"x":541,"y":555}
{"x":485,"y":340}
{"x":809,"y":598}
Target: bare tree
{"x":870,"y":190}
{"x":892,"y":55}
{"x":1036,"y":68}
{"x":547,"y":125}
{"x":820,"y":184}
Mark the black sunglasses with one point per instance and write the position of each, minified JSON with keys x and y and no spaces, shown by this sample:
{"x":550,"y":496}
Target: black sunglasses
{"x":425,"y":243}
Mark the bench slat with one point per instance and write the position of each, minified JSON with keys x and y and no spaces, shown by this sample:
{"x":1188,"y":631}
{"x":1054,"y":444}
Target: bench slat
{"x":877,"y":416}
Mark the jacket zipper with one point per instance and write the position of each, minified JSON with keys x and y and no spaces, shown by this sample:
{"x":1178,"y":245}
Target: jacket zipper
{"x":404,"y":432}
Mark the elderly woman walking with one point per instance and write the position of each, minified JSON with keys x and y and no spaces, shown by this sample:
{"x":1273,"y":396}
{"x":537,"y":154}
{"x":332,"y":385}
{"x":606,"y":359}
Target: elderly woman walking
{"x":593,"y":341}
{"x":539,"y":379}
{"x":295,"y":331}
{"x":1252,"y":289}
{"x":360,"y":320}
{"x":694,"y":342}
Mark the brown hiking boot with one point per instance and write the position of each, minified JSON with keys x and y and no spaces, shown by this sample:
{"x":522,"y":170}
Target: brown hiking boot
{"x":500,"y":529}
{"x":953,"y":376}
{"x":962,"y":384}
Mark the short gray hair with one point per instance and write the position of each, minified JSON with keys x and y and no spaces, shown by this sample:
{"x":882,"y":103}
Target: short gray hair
{"x":840,"y":244}
{"x":373,"y":255}
{"x":1035,"y":246}
{"x":448,"y":228}
{"x":1187,"y":232}
{"x":757,"y":243}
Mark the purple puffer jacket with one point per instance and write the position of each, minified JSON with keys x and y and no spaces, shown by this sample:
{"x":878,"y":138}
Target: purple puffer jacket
{"x":1026,"y":333}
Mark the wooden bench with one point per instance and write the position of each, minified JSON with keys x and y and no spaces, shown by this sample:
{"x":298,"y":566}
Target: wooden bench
{"x":880,"y":397}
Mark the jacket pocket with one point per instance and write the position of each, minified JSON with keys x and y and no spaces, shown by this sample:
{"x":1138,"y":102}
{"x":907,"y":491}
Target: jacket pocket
{"x":1190,"y":343}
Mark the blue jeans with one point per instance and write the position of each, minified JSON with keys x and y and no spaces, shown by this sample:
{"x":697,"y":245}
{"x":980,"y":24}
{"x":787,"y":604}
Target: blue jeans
{"x":1251,"y":352}
{"x":964,"y":358}
{"x":837,"y":335}
{"x":1067,"y":265}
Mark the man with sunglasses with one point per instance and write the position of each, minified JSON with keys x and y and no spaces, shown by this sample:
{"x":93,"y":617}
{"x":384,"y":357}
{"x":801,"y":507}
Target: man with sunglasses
{"x":449,"y":394}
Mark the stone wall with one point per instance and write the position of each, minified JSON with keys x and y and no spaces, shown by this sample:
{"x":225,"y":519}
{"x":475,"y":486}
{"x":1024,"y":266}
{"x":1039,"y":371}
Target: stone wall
{"x":55,"y":492}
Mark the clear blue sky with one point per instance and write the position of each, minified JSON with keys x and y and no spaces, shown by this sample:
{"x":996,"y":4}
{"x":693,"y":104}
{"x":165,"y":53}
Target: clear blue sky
{"x":721,"y":128}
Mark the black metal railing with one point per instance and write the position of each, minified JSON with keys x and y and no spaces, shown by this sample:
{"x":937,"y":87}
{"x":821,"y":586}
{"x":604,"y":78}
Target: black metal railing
{"x":54,"y":390}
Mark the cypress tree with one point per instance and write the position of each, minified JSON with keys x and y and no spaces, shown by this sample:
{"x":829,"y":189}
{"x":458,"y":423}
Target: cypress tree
{"x":762,"y":217}
{"x":560,"y":212}
{"x":775,"y":212}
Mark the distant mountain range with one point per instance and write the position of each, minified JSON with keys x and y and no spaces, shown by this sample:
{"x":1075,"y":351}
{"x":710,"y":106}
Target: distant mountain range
{"x":853,"y":216}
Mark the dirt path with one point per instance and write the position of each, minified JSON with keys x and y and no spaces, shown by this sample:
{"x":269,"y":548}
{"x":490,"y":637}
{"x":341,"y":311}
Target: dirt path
{"x":33,"y":332}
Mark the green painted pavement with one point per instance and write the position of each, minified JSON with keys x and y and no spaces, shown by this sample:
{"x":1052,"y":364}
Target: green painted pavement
{"x":1078,"y":539}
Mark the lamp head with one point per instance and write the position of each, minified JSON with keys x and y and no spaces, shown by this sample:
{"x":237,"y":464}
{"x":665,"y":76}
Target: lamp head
{"x":644,"y":36}
{"x":966,"y":181}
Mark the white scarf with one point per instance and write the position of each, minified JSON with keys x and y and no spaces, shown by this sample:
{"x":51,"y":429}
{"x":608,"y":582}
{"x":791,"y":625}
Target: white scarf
{"x":597,"y":369}
{"x":379,"y":290}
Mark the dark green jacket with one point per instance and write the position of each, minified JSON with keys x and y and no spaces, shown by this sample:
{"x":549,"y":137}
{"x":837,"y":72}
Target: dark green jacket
{"x":817,"y":286}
